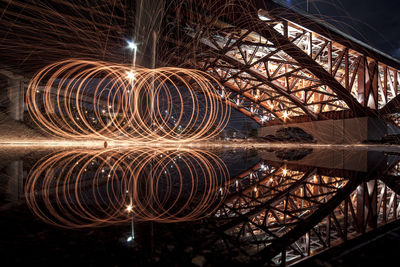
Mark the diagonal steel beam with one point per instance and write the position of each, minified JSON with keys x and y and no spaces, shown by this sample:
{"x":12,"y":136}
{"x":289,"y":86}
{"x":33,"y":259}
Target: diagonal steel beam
{"x":280,"y":90}
{"x":300,"y":56}
{"x":264,"y":206}
{"x":304,"y":226}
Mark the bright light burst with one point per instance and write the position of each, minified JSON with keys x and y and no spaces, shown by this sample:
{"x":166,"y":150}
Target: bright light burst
{"x":132,"y":45}
{"x":130,"y":75}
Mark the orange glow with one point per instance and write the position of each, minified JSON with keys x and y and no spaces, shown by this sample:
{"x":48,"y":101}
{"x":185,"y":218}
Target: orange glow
{"x":164,"y":185}
{"x":147,"y":105}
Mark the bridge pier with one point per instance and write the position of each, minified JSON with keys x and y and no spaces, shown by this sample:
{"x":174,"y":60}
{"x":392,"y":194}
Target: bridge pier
{"x":15,"y":92}
{"x":13,"y":96}
{"x":341,"y":131}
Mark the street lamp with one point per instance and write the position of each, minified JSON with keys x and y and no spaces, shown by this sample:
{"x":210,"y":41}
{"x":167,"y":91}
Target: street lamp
{"x":132,"y":45}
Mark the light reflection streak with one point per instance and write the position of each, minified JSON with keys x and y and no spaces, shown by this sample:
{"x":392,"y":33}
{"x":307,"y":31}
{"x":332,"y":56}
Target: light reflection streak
{"x":83,"y":99}
{"x":76,"y":189}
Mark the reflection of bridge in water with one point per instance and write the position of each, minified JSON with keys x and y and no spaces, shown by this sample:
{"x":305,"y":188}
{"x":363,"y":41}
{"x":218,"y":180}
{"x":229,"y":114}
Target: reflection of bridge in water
{"x":283,"y":212}
{"x":290,"y":206}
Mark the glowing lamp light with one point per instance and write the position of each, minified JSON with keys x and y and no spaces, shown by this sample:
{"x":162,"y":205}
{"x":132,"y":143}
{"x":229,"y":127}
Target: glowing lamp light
{"x":285,"y":114}
{"x":132,"y":45}
{"x":263,"y":118}
{"x":284,"y":172}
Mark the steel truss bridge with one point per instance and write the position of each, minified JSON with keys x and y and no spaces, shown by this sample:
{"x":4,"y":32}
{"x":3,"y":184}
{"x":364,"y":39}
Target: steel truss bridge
{"x":281,"y":213}
{"x":276,"y":64}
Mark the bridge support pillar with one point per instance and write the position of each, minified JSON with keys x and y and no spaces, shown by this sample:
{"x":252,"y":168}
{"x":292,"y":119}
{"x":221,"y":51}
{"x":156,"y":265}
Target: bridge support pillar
{"x":342,"y":131}
{"x":15,"y":93}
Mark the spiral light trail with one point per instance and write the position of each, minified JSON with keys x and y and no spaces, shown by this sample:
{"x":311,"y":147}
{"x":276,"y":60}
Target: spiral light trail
{"x":76,"y":189}
{"x":83,"y":99}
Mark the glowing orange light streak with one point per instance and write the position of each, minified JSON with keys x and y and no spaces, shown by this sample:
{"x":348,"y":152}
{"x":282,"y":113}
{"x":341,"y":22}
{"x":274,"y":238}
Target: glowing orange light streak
{"x":87,"y":189}
{"x":150,"y":105}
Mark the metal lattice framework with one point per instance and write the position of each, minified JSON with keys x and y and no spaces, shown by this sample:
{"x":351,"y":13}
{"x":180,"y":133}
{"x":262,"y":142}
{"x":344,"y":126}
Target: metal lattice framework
{"x":274,"y":65}
{"x":281,"y":214}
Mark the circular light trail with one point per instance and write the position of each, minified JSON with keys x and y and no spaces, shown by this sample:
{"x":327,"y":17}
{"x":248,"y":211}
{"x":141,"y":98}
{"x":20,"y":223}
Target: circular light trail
{"x":82,"y":99}
{"x":76,"y":189}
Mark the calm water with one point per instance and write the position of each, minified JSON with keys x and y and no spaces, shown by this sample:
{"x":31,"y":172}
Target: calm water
{"x":190,"y":206}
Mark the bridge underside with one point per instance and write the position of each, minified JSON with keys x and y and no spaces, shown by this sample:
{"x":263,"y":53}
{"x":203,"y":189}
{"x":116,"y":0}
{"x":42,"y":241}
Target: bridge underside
{"x":276,"y":64}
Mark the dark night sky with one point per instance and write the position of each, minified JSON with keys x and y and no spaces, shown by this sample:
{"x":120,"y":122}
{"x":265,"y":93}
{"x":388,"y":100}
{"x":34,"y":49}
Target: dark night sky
{"x":376,"y":22}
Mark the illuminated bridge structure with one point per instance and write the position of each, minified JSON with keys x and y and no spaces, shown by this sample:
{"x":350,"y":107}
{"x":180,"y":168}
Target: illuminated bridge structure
{"x":277,"y":64}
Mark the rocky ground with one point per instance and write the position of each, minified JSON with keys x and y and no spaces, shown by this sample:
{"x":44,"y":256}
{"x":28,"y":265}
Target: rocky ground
{"x":11,"y":130}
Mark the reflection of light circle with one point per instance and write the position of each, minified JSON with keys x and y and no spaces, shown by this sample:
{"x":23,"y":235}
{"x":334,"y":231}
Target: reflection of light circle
{"x":91,"y":99}
{"x":87,"y":189}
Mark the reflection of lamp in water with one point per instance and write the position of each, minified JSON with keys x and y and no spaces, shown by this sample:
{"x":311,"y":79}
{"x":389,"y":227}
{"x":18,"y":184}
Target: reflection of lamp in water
{"x":130,"y":75}
{"x":129,"y":208}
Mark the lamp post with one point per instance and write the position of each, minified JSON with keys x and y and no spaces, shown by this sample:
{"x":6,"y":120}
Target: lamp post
{"x":133,"y":47}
